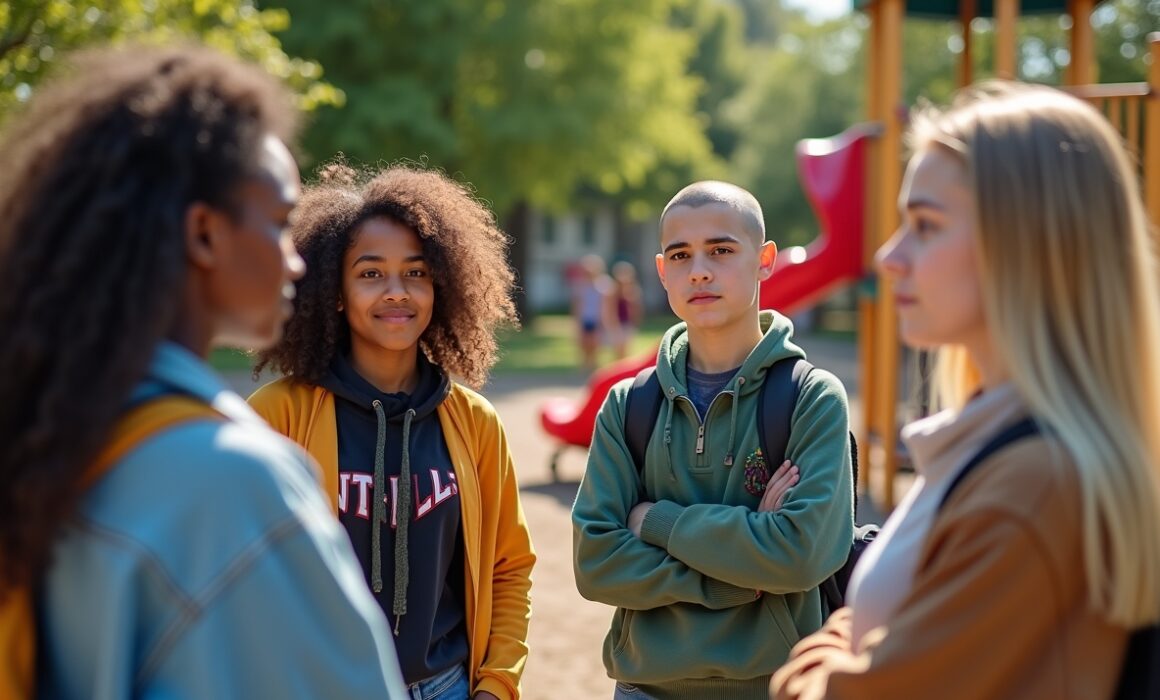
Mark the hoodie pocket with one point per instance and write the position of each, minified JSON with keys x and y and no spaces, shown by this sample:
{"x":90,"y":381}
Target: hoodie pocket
{"x":620,"y":631}
{"x":776,"y":607}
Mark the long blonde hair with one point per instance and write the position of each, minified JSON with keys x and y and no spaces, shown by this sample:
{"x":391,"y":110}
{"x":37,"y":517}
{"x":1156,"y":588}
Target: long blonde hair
{"x":1070,"y":292}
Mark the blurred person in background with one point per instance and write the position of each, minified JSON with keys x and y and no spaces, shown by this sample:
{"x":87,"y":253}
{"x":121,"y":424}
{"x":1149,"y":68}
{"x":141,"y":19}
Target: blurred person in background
{"x":593,"y":307}
{"x":629,"y":304}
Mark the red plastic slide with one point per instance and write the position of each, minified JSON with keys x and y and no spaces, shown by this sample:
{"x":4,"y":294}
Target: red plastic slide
{"x":831,"y":172}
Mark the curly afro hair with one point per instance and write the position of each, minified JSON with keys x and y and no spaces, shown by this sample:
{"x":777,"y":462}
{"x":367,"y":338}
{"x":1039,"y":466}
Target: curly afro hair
{"x":462,"y":245}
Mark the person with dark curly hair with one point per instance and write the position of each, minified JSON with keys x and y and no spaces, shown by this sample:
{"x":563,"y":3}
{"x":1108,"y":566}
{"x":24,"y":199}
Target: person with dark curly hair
{"x":407,"y":283}
{"x":143,"y":206}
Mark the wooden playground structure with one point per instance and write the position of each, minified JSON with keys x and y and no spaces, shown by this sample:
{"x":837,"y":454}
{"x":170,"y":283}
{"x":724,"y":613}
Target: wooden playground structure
{"x":852,"y":181}
{"x":1133,"y":108}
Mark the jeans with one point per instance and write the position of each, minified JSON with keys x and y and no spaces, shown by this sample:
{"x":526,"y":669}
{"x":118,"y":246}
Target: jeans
{"x":624,"y":691}
{"x":452,"y":684}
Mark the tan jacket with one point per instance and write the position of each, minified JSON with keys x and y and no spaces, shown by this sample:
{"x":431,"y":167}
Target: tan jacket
{"x":998,"y":607}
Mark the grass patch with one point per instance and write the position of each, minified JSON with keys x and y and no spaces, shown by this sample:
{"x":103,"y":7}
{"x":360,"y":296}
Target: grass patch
{"x":230,"y":360}
{"x":549,"y":344}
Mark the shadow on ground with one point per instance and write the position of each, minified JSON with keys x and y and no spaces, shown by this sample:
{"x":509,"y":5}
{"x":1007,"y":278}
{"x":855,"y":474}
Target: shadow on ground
{"x":563,"y":491}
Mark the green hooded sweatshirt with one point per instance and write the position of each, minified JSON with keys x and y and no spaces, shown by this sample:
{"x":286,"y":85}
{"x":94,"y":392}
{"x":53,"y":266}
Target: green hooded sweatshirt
{"x":712,"y":596}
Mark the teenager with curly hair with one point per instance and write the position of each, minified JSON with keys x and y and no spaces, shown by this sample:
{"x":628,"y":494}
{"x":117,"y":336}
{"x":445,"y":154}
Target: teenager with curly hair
{"x":407,"y":283}
{"x":143,"y":207}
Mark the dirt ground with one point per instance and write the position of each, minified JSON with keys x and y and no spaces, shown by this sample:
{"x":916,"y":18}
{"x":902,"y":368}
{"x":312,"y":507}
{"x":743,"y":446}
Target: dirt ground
{"x":567,"y":631}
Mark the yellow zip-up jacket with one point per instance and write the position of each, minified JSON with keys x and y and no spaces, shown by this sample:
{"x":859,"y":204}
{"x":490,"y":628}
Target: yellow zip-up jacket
{"x":498,"y":547}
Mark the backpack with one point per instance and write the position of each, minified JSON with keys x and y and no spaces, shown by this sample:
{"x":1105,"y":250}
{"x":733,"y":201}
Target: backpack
{"x":17,"y":614}
{"x":777,"y":398}
{"x":1140,"y":674}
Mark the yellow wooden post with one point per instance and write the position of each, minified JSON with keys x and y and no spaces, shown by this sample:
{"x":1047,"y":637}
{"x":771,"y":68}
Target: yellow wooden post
{"x":1132,"y":127}
{"x":1113,"y":108}
{"x":1006,"y":43}
{"x":1152,"y":134}
{"x":890,"y":177}
{"x":867,"y":385}
{"x":867,"y":316}
{"x":1082,"y":69}
{"x":967,"y":12}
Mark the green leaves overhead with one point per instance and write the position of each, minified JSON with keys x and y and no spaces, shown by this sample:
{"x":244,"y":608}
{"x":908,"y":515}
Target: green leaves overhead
{"x":35,"y":34}
{"x":557,"y":103}
{"x":527,"y":100}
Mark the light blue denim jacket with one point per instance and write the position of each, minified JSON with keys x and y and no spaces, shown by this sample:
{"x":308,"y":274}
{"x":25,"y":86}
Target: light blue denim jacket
{"x":207,"y":564}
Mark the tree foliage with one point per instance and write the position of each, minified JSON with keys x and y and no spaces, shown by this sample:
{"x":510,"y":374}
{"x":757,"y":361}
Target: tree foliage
{"x":557,"y":102}
{"x":530,"y":101}
{"x":35,"y":34}
{"x":811,"y":83}
{"x":807,"y":85}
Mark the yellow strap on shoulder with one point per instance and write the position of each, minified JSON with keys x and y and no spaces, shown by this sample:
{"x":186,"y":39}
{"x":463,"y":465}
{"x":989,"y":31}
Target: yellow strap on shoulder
{"x":143,"y":421}
{"x":17,"y":619}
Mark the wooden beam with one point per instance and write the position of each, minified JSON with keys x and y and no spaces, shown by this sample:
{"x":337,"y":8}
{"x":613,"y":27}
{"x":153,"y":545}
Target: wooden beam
{"x":1006,"y":39}
{"x":1082,"y":68}
{"x":967,"y":12}
{"x":891,"y":16}
{"x":1152,"y":134}
{"x":1132,"y":127}
{"x":867,"y":307}
{"x":874,"y":62}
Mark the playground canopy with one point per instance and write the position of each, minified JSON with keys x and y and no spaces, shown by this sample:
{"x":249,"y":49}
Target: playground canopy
{"x":952,"y":9}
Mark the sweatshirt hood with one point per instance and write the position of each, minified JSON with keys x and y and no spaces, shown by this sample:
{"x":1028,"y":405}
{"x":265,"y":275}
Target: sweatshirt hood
{"x":672,"y":373}
{"x":433,"y":386}
{"x":776,"y":344}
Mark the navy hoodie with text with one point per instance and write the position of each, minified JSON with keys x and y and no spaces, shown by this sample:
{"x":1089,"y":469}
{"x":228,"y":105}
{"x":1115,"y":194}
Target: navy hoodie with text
{"x":431,"y":633}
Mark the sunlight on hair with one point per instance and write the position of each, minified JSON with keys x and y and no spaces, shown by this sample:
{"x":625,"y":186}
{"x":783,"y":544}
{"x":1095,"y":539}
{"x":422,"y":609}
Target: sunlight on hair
{"x":1073,"y":303}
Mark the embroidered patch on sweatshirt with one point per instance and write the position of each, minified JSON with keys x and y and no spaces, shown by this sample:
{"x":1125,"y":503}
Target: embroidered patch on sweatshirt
{"x":756,"y":473}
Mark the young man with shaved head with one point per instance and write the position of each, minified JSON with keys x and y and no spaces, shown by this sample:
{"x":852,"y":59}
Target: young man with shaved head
{"x":711,"y":555}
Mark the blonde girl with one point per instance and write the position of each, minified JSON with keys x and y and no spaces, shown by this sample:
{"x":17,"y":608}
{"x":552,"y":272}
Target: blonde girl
{"x":1024,"y":256}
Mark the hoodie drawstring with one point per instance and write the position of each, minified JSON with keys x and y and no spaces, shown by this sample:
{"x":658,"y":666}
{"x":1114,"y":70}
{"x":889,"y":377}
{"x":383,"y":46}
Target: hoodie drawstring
{"x":403,"y":505}
{"x":669,"y":432}
{"x":402,"y":514}
{"x":379,"y":507}
{"x":733,"y":422}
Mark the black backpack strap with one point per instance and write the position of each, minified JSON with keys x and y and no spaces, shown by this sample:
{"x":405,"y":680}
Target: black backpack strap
{"x":1140,"y":674}
{"x":779,"y":393}
{"x":641,"y":409}
{"x":1023,"y":429}
{"x":854,"y":467}
{"x":775,"y":413}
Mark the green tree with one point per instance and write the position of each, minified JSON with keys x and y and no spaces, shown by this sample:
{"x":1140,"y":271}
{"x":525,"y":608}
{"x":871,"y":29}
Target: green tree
{"x":719,"y":61}
{"x":718,"y":64}
{"x":811,"y":83}
{"x":764,"y":20}
{"x":536,"y":103}
{"x":34,"y":34}
{"x":1122,"y":29}
{"x":528,"y":100}
{"x":808,"y":85}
